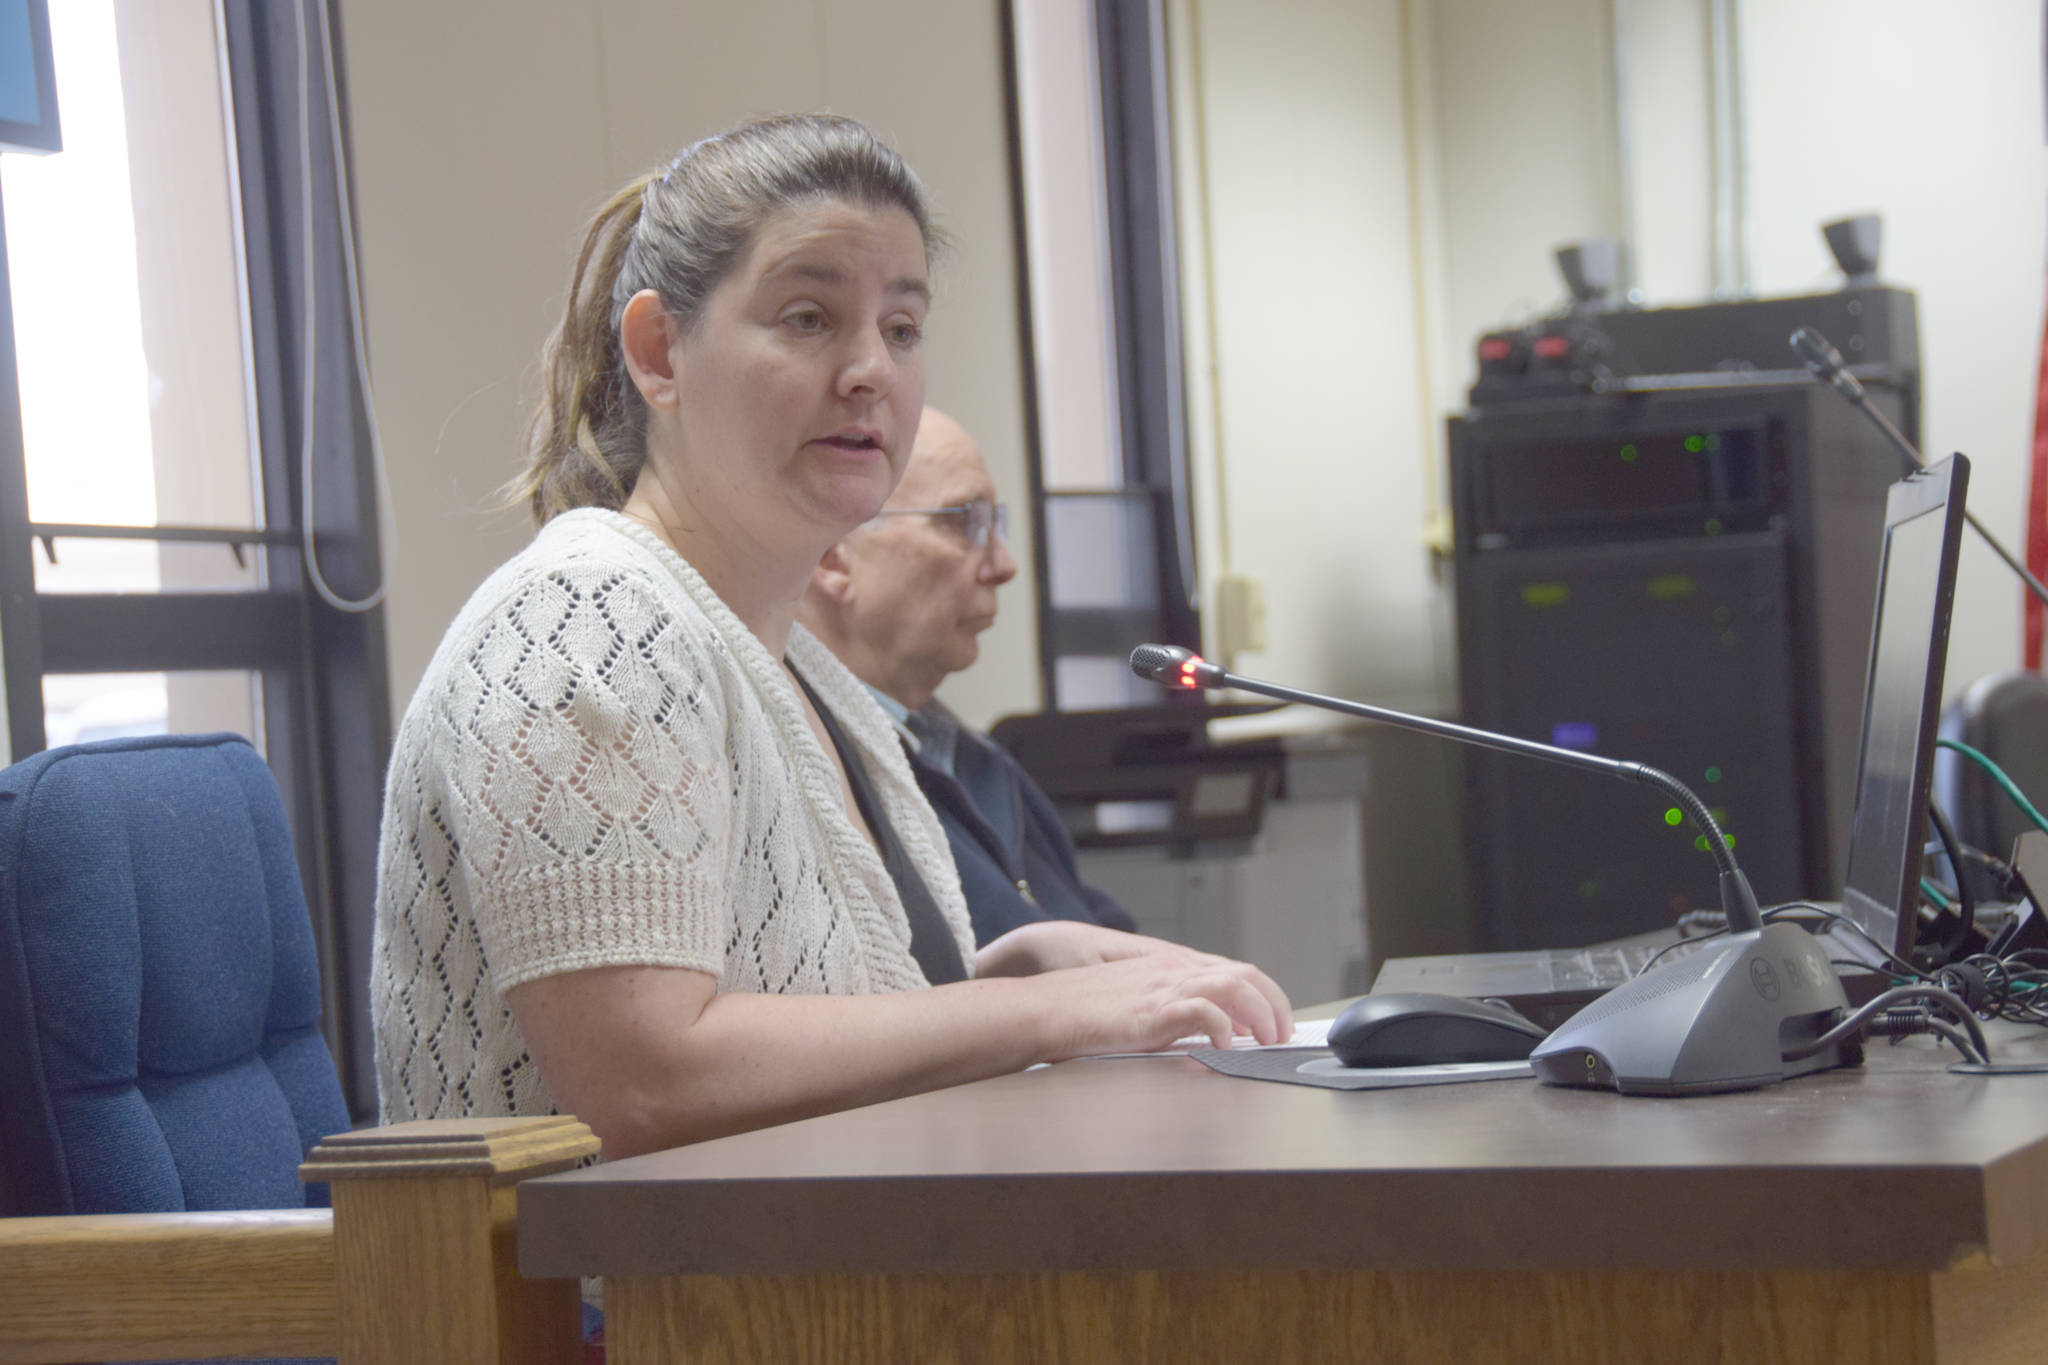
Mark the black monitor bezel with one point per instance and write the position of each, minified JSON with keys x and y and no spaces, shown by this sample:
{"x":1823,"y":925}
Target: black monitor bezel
{"x":1940,"y":487}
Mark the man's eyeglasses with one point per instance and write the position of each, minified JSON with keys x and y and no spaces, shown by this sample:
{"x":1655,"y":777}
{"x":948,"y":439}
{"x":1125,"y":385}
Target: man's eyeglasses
{"x":972,"y":520}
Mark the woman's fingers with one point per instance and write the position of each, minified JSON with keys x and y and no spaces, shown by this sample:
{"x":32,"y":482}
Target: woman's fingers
{"x":1283,"y":1009}
{"x":1142,"y":1003}
{"x":1198,"y":1015}
{"x":1256,"y":1004}
{"x":1259,"y":1014}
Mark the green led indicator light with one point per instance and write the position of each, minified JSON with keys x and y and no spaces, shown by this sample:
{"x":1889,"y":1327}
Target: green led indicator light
{"x":1629,"y":453}
{"x":1700,"y":842}
{"x":1546,"y":594}
{"x":1728,"y":839}
{"x":1669,"y":587}
{"x":1694,"y":445}
{"x":1713,"y":526}
{"x":1674,"y":816}
{"x":1713,"y":774}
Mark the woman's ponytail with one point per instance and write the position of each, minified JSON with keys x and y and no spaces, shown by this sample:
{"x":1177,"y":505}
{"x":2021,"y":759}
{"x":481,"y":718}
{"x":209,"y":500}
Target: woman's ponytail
{"x":587,"y":437}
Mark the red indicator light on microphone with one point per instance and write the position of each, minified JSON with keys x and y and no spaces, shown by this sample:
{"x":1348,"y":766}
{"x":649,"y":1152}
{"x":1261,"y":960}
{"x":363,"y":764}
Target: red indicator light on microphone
{"x":1496,"y":348}
{"x":1187,"y":672}
{"x":1551,"y":348}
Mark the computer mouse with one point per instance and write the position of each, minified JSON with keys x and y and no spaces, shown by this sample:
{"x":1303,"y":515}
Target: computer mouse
{"x":1418,"y":1029}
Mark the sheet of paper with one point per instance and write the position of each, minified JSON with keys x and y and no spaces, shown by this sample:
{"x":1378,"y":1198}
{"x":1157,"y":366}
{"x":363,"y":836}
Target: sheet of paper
{"x":1309,"y":1033}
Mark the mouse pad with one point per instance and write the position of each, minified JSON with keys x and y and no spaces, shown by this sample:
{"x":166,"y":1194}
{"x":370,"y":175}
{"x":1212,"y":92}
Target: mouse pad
{"x":1323,"y":1069}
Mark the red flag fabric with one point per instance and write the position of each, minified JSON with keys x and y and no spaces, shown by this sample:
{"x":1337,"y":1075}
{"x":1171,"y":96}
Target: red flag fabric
{"x":2037,"y":481}
{"x":2037,"y":512}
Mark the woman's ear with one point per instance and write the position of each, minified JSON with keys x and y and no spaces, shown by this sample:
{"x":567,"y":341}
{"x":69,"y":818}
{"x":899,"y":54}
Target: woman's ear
{"x":833,"y":578}
{"x":647,"y":337}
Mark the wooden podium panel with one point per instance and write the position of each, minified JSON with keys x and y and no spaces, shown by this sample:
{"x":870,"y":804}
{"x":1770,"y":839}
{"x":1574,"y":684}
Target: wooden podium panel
{"x":1151,"y":1209}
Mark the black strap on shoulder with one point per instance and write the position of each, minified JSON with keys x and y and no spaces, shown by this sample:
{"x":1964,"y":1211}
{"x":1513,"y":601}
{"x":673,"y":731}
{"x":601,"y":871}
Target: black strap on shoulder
{"x":931,"y":939}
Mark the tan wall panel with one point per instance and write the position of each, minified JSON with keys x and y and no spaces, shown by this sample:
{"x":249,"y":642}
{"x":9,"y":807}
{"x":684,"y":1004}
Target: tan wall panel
{"x":678,"y":72}
{"x":1311,"y":330}
{"x":478,"y":152}
{"x":1930,"y":116}
{"x":1525,"y":152}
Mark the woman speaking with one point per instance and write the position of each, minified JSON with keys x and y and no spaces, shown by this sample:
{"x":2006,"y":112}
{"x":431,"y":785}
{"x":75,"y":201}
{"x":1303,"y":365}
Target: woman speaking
{"x":650,"y":854}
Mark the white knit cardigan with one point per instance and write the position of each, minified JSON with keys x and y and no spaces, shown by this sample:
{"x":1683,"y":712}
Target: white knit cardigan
{"x":602,"y":766}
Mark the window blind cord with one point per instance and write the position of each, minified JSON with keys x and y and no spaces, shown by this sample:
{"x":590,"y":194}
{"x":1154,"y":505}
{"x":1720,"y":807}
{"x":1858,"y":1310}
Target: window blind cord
{"x":387,"y":520}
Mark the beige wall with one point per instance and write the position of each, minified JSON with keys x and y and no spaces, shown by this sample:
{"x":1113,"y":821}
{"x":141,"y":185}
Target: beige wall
{"x":1524,"y":147}
{"x":484,"y":135}
{"x":1418,"y":160}
{"x":1378,"y":183}
{"x":1310,"y":443}
{"x":1382,"y":180}
{"x":1932,"y":116}
{"x":1666,"y":111}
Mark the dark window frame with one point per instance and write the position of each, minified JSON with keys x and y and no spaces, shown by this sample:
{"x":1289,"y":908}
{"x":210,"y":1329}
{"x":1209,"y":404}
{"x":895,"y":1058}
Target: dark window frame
{"x":1145,"y":294}
{"x":324,"y":672}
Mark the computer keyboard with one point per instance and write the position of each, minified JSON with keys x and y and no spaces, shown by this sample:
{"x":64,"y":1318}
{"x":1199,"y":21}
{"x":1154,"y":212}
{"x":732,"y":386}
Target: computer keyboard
{"x":1601,"y":969}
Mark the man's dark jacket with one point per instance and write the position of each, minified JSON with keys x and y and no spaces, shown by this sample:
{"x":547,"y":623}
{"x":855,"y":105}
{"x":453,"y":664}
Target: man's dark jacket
{"x":1016,"y":860}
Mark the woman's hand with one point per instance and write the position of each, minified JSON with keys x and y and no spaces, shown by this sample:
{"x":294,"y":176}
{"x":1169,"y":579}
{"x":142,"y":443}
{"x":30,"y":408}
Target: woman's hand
{"x":1110,"y":991}
{"x":1150,"y":1001}
{"x":1053,"y":945}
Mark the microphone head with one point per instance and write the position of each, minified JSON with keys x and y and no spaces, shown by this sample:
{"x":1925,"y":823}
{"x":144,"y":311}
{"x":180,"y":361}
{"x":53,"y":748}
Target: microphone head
{"x":1174,"y":666}
{"x":1817,"y":351}
{"x":1159,"y":663}
{"x":1826,"y":363}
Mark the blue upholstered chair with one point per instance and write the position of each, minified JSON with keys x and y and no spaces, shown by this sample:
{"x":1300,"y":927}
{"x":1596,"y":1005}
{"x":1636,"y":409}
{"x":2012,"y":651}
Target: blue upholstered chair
{"x":161,"y":1062}
{"x":159,"y":994}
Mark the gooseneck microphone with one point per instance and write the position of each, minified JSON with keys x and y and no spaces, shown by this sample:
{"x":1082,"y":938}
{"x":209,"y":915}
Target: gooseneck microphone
{"x":1183,"y":668}
{"x":1827,"y":365}
{"x":1751,"y":1009}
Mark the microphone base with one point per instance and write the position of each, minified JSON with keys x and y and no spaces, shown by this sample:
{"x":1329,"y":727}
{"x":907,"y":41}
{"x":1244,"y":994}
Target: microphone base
{"x":1719,"y":1019}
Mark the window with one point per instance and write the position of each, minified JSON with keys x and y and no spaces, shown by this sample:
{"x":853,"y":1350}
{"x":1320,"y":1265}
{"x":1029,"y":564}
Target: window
{"x":153,"y":495}
{"x":1110,"y":472}
{"x":127,"y":307}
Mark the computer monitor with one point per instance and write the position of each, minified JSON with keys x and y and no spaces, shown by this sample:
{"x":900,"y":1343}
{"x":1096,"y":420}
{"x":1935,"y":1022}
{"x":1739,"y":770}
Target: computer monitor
{"x":1902,"y":701}
{"x":28,"y":79}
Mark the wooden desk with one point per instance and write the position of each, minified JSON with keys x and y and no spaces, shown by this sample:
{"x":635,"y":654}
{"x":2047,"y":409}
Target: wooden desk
{"x":1153,"y":1210}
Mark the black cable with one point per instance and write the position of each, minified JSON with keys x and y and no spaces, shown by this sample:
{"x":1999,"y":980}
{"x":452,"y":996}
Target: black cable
{"x":2024,"y":997}
{"x":2002,"y":1002}
{"x":2007,"y":994}
{"x":2028,"y":991}
{"x":1655,"y":957}
{"x":1997,"y":983}
{"x":2023,"y":971}
{"x":1905,"y":968}
{"x":2033,"y":1009}
{"x":1699,"y":926}
{"x":1966,"y":899}
{"x":2003,"y":986}
{"x":1990,"y":862}
{"x":1695,"y":923}
{"x":1955,"y":1036}
{"x":1853,"y":1025}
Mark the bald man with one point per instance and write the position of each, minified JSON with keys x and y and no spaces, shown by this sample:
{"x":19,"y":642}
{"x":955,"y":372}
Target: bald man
{"x":901,"y":601}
